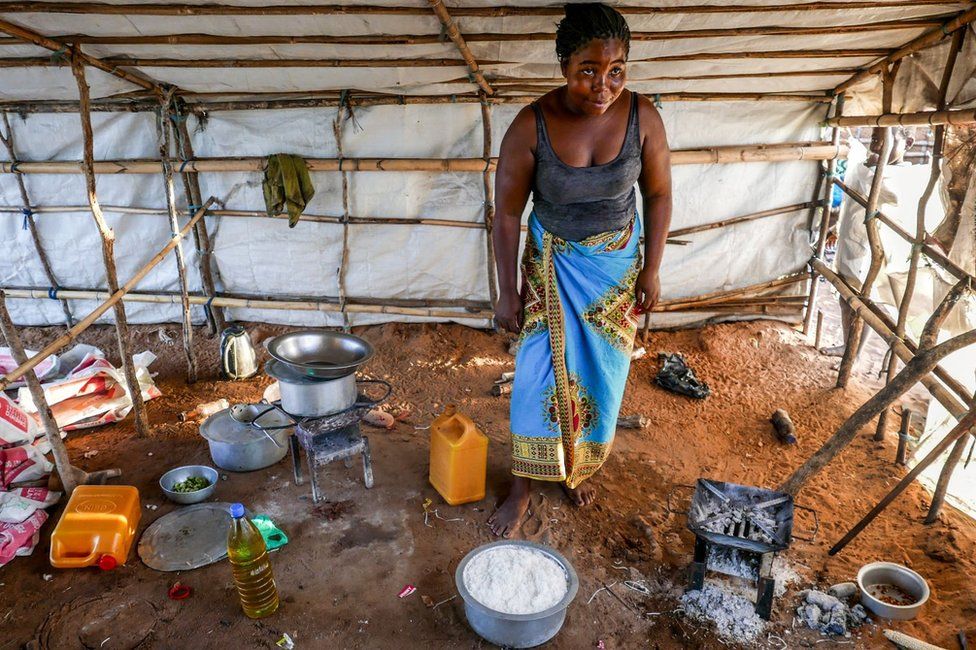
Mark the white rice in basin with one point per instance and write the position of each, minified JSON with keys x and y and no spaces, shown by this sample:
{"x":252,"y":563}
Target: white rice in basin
{"x":515,"y":580}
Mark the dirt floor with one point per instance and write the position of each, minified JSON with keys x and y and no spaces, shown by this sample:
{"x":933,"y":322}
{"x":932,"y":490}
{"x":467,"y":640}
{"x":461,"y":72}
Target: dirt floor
{"x":346,"y":562}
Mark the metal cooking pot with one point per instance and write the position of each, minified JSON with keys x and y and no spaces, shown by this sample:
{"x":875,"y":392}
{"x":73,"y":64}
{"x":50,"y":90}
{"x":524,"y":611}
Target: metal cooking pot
{"x":308,"y":397}
{"x":247,"y":437}
{"x":320,"y":353}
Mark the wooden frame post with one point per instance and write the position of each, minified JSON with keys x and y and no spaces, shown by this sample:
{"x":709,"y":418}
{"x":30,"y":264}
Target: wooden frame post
{"x":824,"y":219}
{"x":164,"y":131}
{"x":8,"y":142}
{"x":489,"y":199}
{"x":194,"y":197}
{"x":936,"y":171}
{"x":108,"y":256}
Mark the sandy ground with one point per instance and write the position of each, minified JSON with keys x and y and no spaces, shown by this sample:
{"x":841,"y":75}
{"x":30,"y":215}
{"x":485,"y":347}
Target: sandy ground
{"x":340,"y":574}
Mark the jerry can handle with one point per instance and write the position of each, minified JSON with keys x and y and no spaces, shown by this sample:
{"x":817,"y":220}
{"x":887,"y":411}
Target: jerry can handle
{"x":816,"y":524}
{"x":672,"y":493}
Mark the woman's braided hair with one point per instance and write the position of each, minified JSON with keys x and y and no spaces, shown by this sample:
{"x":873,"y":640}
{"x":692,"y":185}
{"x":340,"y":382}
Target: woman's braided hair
{"x":587,"y":21}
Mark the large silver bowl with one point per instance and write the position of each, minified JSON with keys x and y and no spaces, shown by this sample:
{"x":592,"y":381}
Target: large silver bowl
{"x":888,"y":573}
{"x":516,"y":630}
{"x":320,"y":353}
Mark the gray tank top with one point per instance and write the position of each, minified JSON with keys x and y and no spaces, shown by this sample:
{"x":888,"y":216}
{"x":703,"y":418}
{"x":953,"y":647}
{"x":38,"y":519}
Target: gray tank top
{"x":574,"y":203}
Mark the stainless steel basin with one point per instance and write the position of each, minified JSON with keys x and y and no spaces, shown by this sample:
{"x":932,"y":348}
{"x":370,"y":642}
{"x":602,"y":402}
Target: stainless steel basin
{"x":320,"y":353}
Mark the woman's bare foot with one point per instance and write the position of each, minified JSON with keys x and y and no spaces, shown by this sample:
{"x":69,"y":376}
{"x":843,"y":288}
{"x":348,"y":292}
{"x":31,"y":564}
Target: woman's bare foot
{"x":505,"y":521}
{"x":582,"y":495}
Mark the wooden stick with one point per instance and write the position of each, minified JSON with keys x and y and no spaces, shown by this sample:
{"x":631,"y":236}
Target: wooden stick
{"x":163,"y":131}
{"x":113,"y":299}
{"x":28,"y":212}
{"x":191,"y":185}
{"x":108,"y":254}
{"x":903,"y":434}
{"x":914,"y":370}
{"x":942,"y":484}
{"x":203,"y":102}
{"x":452,"y":31}
{"x":856,"y":325}
{"x":217,"y":9}
{"x":934,"y":174}
{"x":712,"y":155}
{"x":924,"y":118}
{"x":965,"y":426}
{"x":160,"y":62}
{"x":905,"y":349}
{"x":821,"y":245}
{"x":819,"y":330}
{"x":489,"y":200}
{"x":60,"y":49}
{"x":344,"y":255}
{"x":927,"y":39}
{"x":931,"y":252}
{"x":507,"y":81}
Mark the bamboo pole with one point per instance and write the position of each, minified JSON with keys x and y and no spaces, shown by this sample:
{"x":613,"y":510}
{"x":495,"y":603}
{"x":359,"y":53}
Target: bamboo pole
{"x":819,"y":330}
{"x":117,"y":62}
{"x":452,"y":31}
{"x":163,"y":133}
{"x":204,"y":102}
{"x":779,"y":152}
{"x":926,"y":359}
{"x":932,"y":253}
{"x":856,"y":325}
{"x":927,"y":39}
{"x":489,"y":200}
{"x":505,"y":81}
{"x":924,"y":118}
{"x":443,"y":309}
{"x":218,"y":9}
{"x":942,"y":484}
{"x":957,"y":434}
{"x":204,"y":245}
{"x":680,"y":232}
{"x":935,"y":173}
{"x":113,"y":299}
{"x":60,"y":49}
{"x":344,"y":255}
{"x":824,"y":220}
{"x":108,"y":254}
{"x":956,"y":402}
{"x":30,"y":223}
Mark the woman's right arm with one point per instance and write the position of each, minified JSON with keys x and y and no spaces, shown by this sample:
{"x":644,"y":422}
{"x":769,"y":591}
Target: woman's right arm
{"x":513,"y":181}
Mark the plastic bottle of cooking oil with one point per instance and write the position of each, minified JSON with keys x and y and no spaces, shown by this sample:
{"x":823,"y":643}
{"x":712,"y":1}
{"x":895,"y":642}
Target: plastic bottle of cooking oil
{"x":458,"y":457}
{"x":252,"y":568}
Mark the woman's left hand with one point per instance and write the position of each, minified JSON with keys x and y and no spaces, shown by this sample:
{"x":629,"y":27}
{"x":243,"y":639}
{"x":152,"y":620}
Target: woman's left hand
{"x":647,"y":290}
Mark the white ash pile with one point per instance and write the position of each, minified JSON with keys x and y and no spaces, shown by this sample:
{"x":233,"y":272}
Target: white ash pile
{"x":750,"y":522}
{"x":740,"y":564}
{"x":734,"y":617}
{"x":829,"y":613}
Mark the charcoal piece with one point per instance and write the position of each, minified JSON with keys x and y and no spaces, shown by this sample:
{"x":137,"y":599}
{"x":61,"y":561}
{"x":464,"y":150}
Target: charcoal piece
{"x":858,"y":616}
{"x":836,"y":622}
{"x":844,"y":590}
{"x":810,"y":615}
{"x":677,"y":377}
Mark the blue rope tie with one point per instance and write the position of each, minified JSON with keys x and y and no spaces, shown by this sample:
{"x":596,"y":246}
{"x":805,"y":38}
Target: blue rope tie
{"x":657,"y":100}
{"x":13,"y":167}
{"x":871,"y":215}
{"x":52,"y":292}
{"x":193,"y":209}
{"x":183,"y":165}
{"x":27,"y":215}
{"x":208,"y":307}
{"x":454,"y":99}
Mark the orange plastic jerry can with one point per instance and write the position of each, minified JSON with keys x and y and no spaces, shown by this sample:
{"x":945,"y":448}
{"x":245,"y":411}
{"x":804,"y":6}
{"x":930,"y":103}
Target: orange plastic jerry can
{"x":458,"y":457}
{"x":97,"y":528}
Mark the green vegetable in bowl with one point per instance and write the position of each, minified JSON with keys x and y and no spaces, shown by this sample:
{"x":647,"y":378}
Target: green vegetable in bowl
{"x":192,"y":484}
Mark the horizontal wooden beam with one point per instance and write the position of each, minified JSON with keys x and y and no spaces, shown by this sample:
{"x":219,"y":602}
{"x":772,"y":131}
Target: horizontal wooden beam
{"x":924,"y":118}
{"x":916,"y":44}
{"x":160,"y":62}
{"x":215,"y":9}
{"x":717,"y":155}
{"x":206,"y":102}
{"x":501,"y":81}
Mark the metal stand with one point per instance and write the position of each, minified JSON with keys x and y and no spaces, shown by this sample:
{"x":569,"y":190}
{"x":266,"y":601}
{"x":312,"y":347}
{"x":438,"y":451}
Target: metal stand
{"x":765,"y":584}
{"x":321,"y":448}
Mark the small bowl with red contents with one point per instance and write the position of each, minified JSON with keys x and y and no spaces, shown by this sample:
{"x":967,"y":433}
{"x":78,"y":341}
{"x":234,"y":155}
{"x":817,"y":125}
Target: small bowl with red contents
{"x":891,"y":590}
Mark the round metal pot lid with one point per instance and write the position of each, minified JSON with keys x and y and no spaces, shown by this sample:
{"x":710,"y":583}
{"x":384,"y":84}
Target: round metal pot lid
{"x":223,"y":427}
{"x":188,"y":538}
{"x":287,"y":374}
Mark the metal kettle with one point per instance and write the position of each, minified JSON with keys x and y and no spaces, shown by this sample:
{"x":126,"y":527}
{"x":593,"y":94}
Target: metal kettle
{"x":238,"y":360}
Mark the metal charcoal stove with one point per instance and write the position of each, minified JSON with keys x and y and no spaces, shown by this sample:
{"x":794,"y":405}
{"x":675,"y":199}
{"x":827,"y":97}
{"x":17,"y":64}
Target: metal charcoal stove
{"x":336,"y":436}
{"x":740,"y":521}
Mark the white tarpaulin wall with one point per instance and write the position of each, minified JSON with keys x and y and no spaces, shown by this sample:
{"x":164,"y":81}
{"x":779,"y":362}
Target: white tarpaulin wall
{"x":263,"y":256}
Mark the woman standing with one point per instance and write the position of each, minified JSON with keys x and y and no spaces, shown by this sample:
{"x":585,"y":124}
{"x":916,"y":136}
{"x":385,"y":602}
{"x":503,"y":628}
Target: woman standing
{"x":580,"y":149}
